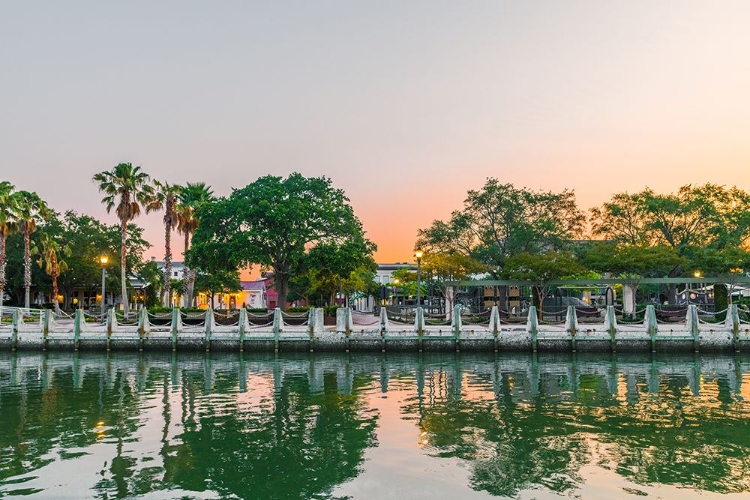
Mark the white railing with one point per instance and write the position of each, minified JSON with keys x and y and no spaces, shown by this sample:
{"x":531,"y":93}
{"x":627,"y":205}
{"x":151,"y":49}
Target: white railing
{"x":30,"y":328}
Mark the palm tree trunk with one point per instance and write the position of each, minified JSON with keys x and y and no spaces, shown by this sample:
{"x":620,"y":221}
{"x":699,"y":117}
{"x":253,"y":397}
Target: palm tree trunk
{"x":123,"y":280}
{"x":26,"y":269}
{"x":191,"y":286}
{"x":54,"y":286}
{"x":3,"y":239}
{"x":187,"y":292}
{"x":168,"y":264}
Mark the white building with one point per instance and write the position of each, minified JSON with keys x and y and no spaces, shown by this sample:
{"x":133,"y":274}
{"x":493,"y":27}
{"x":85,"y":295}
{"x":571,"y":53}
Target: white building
{"x":384,"y":276}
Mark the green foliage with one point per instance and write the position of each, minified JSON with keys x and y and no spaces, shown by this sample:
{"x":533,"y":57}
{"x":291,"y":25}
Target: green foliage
{"x":708,"y":216}
{"x":633,"y":261}
{"x":298,"y":309}
{"x":330,"y":311}
{"x":330,"y":267}
{"x":274,"y":222}
{"x":153,"y":277}
{"x":441,"y":267}
{"x":721,"y":301}
{"x":500,"y":221}
{"x":541,"y":269}
{"x":706,"y":227}
{"x":90,"y":239}
{"x":218,"y":281}
{"x":190,"y":199}
{"x":159,"y":310}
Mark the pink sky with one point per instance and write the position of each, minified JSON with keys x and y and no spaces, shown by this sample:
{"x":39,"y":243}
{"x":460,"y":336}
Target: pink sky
{"x":405,"y":105}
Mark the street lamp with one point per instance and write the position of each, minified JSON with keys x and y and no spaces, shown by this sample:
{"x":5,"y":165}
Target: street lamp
{"x":696,"y":275}
{"x":418,"y":255}
{"x":393,"y":295}
{"x":103,"y":261}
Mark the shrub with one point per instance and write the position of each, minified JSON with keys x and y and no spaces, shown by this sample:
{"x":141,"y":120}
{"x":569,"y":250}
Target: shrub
{"x":300,"y":309}
{"x":330,"y":310}
{"x":159,"y":310}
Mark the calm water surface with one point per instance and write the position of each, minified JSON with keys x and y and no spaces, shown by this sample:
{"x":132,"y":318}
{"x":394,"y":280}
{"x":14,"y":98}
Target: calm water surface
{"x":373,"y":426}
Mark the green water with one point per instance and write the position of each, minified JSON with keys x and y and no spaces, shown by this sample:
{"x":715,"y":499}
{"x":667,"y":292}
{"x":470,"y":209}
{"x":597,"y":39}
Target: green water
{"x":371,"y":426}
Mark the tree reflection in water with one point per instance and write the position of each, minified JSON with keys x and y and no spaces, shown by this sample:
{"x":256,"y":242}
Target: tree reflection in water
{"x":257,"y":426}
{"x":540,"y":429}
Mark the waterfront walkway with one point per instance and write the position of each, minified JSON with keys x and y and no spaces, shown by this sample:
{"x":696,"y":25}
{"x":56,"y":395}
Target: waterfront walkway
{"x":277,"y":330}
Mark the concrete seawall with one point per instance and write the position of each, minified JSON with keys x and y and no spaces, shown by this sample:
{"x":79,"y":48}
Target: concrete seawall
{"x":279,"y":331}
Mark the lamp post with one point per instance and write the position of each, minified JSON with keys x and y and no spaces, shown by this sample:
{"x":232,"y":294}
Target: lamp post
{"x":393,"y":295}
{"x":697,"y":275}
{"x":103,"y":261}
{"x":418,"y":255}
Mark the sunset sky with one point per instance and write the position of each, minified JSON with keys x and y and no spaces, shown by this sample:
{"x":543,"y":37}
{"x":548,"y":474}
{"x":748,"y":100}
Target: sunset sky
{"x":404,"y":104}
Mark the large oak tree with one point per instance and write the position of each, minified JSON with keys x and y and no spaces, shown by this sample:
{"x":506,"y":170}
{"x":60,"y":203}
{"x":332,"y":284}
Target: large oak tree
{"x":273,"y":222}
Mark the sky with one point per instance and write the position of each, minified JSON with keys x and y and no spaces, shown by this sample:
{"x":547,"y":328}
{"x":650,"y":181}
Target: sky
{"x":404,"y":104}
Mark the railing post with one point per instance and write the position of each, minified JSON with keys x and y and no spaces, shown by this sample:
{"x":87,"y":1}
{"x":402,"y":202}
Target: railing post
{"x":175,"y":327}
{"x":457,"y":325}
{"x":111,"y":322}
{"x":692,"y":323}
{"x":349,"y":321}
{"x":532,"y":326}
{"x":109,"y":326}
{"x":17,"y":320}
{"x":47,"y":320}
{"x":610,"y":323}
{"x":243,"y":327}
{"x":78,"y":321}
{"x":144,"y":326}
{"x":342,"y":325}
{"x":311,"y":327}
{"x":341,"y":321}
{"x":419,"y":325}
{"x":310,"y":321}
{"x":571,"y":325}
{"x":495,"y":325}
{"x":651,"y":326}
{"x":732,"y":322}
{"x":209,"y":321}
{"x":319,"y":326}
{"x":383,"y":326}
{"x":277,"y":327}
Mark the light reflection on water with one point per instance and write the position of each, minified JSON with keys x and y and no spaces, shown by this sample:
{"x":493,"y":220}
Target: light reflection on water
{"x":373,"y":426}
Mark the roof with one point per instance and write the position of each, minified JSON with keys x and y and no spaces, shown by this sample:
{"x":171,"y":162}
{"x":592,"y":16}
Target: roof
{"x":253,"y":285}
{"x":396,"y":266}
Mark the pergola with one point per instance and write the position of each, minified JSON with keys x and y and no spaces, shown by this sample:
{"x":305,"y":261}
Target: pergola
{"x":731,"y":281}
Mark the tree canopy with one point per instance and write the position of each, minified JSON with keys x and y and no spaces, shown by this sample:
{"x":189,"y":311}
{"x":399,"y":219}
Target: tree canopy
{"x":501,"y":220}
{"x":274,"y":222}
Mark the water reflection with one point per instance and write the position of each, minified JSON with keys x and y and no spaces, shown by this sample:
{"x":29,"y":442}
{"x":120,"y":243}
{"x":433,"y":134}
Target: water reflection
{"x":312,"y":426}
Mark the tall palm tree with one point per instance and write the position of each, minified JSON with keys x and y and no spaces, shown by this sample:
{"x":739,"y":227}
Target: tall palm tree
{"x":165,"y":197}
{"x":191,"y":197}
{"x":50,"y":258}
{"x":9,"y":200}
{"x":126,"y":188}
{"x":31,"y":210}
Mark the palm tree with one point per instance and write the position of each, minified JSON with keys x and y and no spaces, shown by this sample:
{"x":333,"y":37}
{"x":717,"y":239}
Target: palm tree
{"x":49,"y":258}
{"x":191,"y":197}
{"x":31,"y":210}
{"x":8,"y":224}
{"x":165,"y":197}
{"x":126,"y":188}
